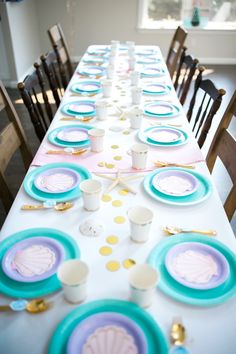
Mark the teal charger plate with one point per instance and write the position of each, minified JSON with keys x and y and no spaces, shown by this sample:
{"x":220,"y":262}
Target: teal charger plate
{"x":203,"y":191}
{"x":44,"y":287}
{"x":156,"y":340}
{"x":195,"y":297}
{"x":174,"y":113}
{"x":37,"y":194}
{"x":65,"y":109}
{"x":52,"y":136}
{"x":75,"y":87}
{"x":143,"y":137}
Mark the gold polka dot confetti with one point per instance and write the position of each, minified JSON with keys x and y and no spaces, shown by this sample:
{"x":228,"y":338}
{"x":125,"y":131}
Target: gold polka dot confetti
{"x":119,"y":219}
{"x":128,"y":263}
{"x":113,"y":266}
{"x":109,"y":165}
{"x":126,"y":132}
{"x":105,"y":251}
{"x":101,"y":164}
{"x":117,"y":158}
{"x":115,"y":101}
{"x":115,"y":146}
{"x":106,"y":198}
{"x":112,"y":239}
{"x":117,"y":203}
{"x":123,"y":192}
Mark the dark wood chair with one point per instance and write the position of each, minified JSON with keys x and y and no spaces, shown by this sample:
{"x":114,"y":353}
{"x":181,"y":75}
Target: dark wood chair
{"x":49,"y":63}
{"x":35,"y":98}
{"x":60,"y":47}
{"x":12,"y":137}
{"x":208,"y":99}
{"x":184,"y":76}
{"x":175,"y":49}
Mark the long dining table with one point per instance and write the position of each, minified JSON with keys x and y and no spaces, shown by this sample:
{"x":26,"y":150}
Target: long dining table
{"x":208,"y":315}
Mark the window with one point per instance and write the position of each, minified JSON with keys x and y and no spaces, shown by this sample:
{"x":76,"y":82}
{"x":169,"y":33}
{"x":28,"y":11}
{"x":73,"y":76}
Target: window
{"x":205,"y":14}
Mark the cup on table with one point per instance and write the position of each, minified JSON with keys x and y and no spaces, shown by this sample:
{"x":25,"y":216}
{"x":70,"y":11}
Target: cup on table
{"x":101,"y":109}
{"x":136,"y":94}
{"x":139,"y":153}
{"x":142,"y":281}
{"x":140,"y":219}
{"x":91,"y":193}
{"x":110,"y":71}
{"x":96,"y":137}
{"x":135,"y":78}
{"x":130,"y":45}
{"x":112,"y":58}
{"x":107,"y":87}
{"x":132,"y":62}
{"x":73,"y":275}
{"x":136,"y":117}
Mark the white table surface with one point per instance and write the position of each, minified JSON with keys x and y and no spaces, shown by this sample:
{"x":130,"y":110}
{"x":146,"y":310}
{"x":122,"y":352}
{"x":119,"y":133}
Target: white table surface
{"x":209,"y":330}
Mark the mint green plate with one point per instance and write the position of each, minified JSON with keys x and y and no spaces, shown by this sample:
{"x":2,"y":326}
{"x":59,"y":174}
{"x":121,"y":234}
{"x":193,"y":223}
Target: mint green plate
{"x":156,"y":340}
{"x":203,"y":191}
{"x":52,"y":136}
{"x":142,"y":135}
{"x":37,"y":194}
{"x":44,"y":287}
{"x":190,"y":296}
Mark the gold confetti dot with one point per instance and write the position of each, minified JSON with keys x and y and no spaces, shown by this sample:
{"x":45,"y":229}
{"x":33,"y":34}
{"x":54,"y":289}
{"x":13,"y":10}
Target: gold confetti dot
{"x":128,"y":263}
{"x":101,"y":164}
{"x":109,"y":165}
{"x":123,"y":192}
{"x":126,"y":132}
{"x":106,"y":198}
{"x":105,"y":251}
{"x":115,"y":100}
{"x":119,"y":219}
{"x":117,"y":158}
{"x":113,"y":266}
{"x":112,"y":239}
{"x":117,"y":203}
{"x":123,"y":118}
{"x":115,"y":146}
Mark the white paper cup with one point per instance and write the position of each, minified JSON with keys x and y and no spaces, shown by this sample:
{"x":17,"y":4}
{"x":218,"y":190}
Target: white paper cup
{"x":91,"y":192}
{"x":101,"y":110}
{"x":110,"y":71}
{"x":142,"y":280}
{"x":135,"y":78}
{"x":73,"y":275}
{"x":96,"y":137}
{"x":130,"y":45}
{"x":136,"y":93}
{"x":107,"y":88}
{"x":132,"y":62}
{"x":140,"y":219}
{"x":139,"y":153}
{"x":136,"y":117}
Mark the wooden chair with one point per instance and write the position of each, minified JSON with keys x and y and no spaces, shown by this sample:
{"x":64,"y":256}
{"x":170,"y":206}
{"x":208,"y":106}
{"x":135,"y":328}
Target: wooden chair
{"x":175,"y":49}
{"x":184,"y":76}
{"x":12,"y":137}
{"x":206,"y":109}
{"x":40,"y":113}
{"x":51,"y":71}
{"x":60,"y":47}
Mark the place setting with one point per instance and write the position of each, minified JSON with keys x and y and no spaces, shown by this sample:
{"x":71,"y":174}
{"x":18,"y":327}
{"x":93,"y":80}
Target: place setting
{"x":86,"y":87}
{"x":156,"y":89}
{"x":94,"y":59}
{"x":161,"y":109}
{"x":156,"y":71}
{"x":147,"y":60}
{"x":92,"y":71}
{"x":81,"y":109}
{"x":163,"y":136}
{"x":70,"y":136}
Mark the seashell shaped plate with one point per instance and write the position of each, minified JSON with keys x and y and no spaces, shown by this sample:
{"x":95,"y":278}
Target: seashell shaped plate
{"x":105,"y":333}
{"x":137,"y":322}
{"x":33,"y":259}
{"x":79,"y":107}
{"x":190,"y":295}
{"x":196,"y":265}
{"x":62,"y":136}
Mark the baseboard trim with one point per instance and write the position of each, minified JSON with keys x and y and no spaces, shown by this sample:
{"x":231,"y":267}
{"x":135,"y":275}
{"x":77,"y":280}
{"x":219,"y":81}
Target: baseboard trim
{"x":218,"y":61}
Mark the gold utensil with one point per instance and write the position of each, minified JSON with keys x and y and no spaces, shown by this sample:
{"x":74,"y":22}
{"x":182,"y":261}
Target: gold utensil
{"x":83,"y":94}
{"x":178,"y":333}
{"x":59,"y":207}
{"x":34,"y":306}
{"x":176,"y":230}
{"x":82,"y":119}
{"x":63,"y":152}
{"x":166,"y":124}
{"x":165,"y":164}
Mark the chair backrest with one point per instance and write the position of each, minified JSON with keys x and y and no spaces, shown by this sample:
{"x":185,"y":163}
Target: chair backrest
{"x":60,"y":47}
{"x":175,"y":49}
{"x":50,"y":67}
{"x":185,"y":72}
{"x":12,"y":137}
{"x":207,"y":106}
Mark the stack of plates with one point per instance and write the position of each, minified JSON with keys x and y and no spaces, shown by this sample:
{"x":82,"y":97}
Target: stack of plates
{"x":156,"y":89}
{"x":93,"y":59}
{"x":152,"y":72}
{"x":79,"y":108}
{"x":98,"y":51}
{"x":148,"y":60}
{"x":145,"y":52}
{"x":163,"y":136}
{"x":70,"y":136}
{"x":161,"y":109}
{"x":96,"y":71}
{"x":88,"y":86}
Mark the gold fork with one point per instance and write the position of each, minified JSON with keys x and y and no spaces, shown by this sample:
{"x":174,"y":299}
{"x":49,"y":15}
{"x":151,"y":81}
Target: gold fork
{"x":82,"y":119}
{"x":167,"y":164}
{"x":171,"y":230}
{"x":63,"y":152}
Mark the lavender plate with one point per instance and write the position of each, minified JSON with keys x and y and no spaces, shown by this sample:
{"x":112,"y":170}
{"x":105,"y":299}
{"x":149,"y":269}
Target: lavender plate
{"x":72,"y":135}
{"x":93,"y":323}
{"x":175,"y":183}
{"x":156,"y":89}
{"x":152,"y":72}
{"x":197,"y":265}
{"x":36,"y":260}
{"x":165,"y":135}
{"x":57,"y":180}
{"x":161,"y":109}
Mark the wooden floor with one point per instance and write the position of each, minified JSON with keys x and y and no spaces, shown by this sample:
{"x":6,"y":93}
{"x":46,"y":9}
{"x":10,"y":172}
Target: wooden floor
{"x":223,"y":76}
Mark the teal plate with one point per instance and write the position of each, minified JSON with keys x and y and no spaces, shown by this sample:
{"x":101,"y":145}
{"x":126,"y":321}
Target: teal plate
{"x":44,"y":287}
{"x":164,"y":89}
{"x":52,"y":136}
{"x":143,"y":137}
{"x":175,"y":109}
{"x":190,"y":296}
{"x":203,"y":191}
{"x":78,"y":87}
{"x":156,"y":340}
{"x":37,"y":194}
{"x":66,"y":108}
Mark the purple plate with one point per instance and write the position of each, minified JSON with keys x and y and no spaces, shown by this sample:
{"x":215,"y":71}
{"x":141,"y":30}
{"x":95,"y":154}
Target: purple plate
{"x":57,"y":180}
{"x":164,"y":135}
{"x":162,"y":109}
{"x":197,"y":265}
{"x":81,"y":108}
{"x":175,"y":183}
{"x":73,"y":135}
{"x":89,"y":325}
{"x":33,"y":255}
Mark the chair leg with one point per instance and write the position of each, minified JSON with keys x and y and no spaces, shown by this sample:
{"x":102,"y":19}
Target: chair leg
{"x":5,"y":194}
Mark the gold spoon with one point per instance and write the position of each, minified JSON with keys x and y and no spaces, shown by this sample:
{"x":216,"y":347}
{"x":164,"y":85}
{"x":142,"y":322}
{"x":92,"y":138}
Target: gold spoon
{"x":34,"y":306}
{"x":63,"y":152}
{"x":84,"y":119}
{"x":165,"y":164}
{"x":177,"y":334}
{"x":176,"y":230}
{"x":59,"y":207}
